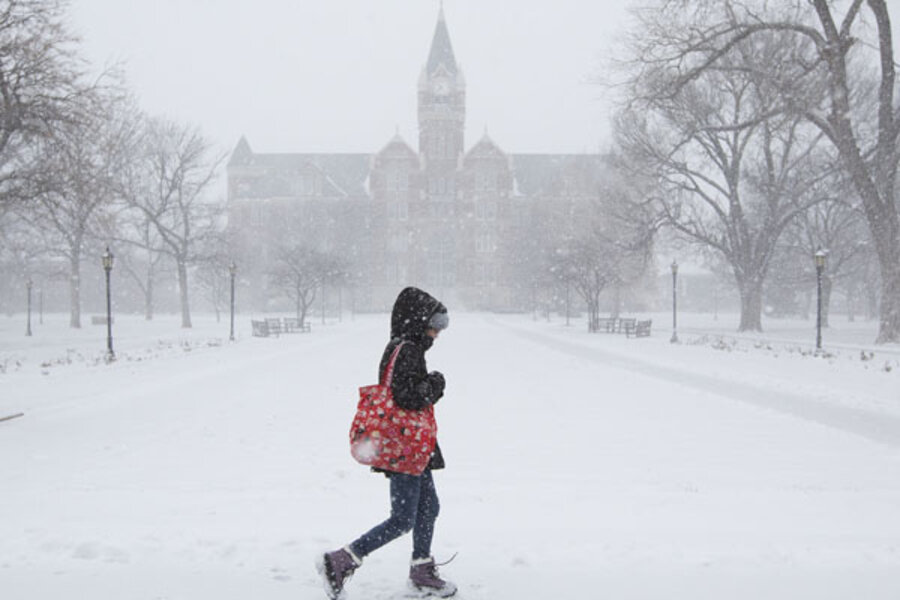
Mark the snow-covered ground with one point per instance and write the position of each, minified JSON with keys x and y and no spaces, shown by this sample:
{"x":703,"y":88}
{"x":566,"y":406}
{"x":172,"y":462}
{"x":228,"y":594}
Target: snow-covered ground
{"x":721,"y":467}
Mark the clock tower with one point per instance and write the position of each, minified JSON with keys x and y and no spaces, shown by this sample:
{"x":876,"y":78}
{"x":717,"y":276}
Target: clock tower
{"x":442,"y":114}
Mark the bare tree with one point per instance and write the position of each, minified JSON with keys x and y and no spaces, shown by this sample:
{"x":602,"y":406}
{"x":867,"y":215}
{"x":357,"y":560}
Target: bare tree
{"x":40,"y":79}
{"x":175,"y":171}
{"x":831,"y":40}
{"x":299,"y":271}
{"x":213,"y":271}
{"x":75,"y":185}
{"x":141,"y":255}
{"x":734,"y":172}
{"x":611,"y":245}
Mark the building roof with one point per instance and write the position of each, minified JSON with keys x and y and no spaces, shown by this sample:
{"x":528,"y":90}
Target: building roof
{"x":241,"y":153}
{"x":397,"y":147}
{"x":486,"y":147}
{"x":344,"y":174}
{"x":537,"y":174}
{"x":348,"y":174}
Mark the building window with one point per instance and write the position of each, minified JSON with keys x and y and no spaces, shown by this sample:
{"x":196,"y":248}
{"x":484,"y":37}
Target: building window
{"x":398,"y":211}
{"x":441,"y":209}
{"x":484,"y":181}
{"x":440,"y":186}
{"x":486,"y":211}
{"x":397,"y":181}
{"x":398,"y":242}
{"x":484,"y":242}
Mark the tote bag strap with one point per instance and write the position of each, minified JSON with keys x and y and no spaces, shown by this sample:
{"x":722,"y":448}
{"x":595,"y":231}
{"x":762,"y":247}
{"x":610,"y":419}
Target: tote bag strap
{"x":389,"y":371}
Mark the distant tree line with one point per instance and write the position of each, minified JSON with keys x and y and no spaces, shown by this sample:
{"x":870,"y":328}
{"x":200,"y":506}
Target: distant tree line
{"x":82,"y":167}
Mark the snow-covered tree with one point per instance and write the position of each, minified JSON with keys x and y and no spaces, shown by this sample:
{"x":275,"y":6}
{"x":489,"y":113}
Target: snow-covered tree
{"x":680,"y":43}
{"x":169,"y":187}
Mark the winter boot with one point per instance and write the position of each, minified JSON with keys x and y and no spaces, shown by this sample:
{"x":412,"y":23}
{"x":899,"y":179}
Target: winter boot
{"x":425,"y":581}
{"x":336,"y":568}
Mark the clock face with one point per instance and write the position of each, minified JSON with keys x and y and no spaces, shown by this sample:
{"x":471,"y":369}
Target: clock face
{"x":441,"y":87}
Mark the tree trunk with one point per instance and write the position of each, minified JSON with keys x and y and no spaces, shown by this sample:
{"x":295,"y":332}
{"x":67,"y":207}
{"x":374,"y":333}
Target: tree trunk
{"x":889,"y":326}
{"x":883,"y":224}
{"x":75,"y":290}
{"x":183,"y":289}
{"x":617,"y":301}
{"x":148,"y":300}
{"x":871,"y":303}
{"x":751,"y":306}
{"x":594,"y":312}
{"x":300,"y":312}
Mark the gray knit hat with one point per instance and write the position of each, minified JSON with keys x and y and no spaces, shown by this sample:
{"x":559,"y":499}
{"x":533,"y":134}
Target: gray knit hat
{"x":439,"y":321}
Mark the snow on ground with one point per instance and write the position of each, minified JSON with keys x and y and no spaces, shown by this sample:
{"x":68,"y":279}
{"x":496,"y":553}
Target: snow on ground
{"x":722,"y":467}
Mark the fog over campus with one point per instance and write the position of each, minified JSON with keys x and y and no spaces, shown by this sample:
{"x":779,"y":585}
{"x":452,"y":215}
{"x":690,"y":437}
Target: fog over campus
{"x":340,"y":76}
{"x":362,"y":132}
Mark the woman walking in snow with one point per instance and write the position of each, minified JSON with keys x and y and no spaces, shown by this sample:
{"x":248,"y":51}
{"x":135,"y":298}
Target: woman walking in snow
{"x":416,"y":320}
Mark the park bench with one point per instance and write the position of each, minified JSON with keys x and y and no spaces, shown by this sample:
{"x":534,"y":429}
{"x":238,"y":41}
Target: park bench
{"x":274,"y":326}
{"x":292,"y":325}
{"x":625,"y":325}
{"x":630,"y":326}
{"x":260,"y":328}
{"x":613,"y":324}
{"x":639,"y":329}
{"x":605,"y":324}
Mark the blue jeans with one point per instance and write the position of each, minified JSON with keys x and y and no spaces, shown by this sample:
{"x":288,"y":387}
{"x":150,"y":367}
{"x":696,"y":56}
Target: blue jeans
{"x":414,"y":507}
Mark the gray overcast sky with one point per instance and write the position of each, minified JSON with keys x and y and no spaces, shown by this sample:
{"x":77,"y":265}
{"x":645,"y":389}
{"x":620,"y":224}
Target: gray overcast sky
{"x":340,"y":75}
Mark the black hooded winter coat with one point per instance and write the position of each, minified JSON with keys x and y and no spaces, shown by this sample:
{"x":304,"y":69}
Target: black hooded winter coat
{"x":414,"y":388}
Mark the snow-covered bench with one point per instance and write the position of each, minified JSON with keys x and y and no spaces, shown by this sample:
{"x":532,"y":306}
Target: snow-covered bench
{"x":274,"y":326}
{"x":260,"y":328}
{"x":639,"y":329}
{"x":292,"y":325}
{"x":614,"y":324}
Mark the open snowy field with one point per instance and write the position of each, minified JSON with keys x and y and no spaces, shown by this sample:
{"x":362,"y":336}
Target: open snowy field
{"x":588,"y":466}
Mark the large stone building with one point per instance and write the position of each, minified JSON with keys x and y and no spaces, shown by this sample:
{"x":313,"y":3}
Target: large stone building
{"x":440,"y":216}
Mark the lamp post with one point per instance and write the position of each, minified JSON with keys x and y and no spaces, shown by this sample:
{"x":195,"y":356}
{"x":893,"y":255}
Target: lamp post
{"x":28,"y":284}
{"x":232,"y":269}
{"x":107,"y":266}
{"x":674,"y":267}
{"x":819,"y":257}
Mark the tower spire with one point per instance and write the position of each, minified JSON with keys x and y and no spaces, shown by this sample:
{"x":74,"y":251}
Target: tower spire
{"x":441,"y":53}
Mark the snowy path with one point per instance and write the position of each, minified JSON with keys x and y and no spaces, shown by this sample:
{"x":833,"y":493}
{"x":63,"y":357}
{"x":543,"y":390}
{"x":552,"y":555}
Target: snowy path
{"x":873,"y":425}
{"x":220,"y":473}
